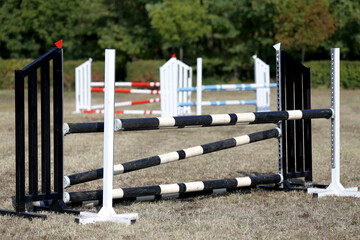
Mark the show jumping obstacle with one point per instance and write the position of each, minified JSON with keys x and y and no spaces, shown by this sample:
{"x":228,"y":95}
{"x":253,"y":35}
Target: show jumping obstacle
{"x":293,"y":120}
{"x":298,"y":163}
{"x":178,"y":98}
{"x":176,"y":89}
{"x":84,"y":87}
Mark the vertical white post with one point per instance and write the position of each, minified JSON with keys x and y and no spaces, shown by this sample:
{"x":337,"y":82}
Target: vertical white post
{"x":198,"y":85}
{"x":82,"y":89}
{"x":77,"y":91}
{"x":163,"y":91}
{"x":335,"y":188}
{"x":188,"y":94}
{"x":335,"y":121}
{"x":174,"y":88}
{"x":181,"y":84}
{"x":107,"y":212}
{"x":109,"y":101}
{"x":88,"y":82}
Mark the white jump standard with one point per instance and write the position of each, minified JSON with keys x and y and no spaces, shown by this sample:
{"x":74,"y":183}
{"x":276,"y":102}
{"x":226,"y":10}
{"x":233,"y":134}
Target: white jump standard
{"x":335,"y":188}
{"x":261,"y":87}
{"x":84,"y":87}
{"x":107,"y":212}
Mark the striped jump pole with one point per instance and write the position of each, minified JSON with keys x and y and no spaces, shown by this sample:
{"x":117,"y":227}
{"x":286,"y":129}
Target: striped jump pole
{"x":133,"y":192}
{"x":133,"y":112}
{"x":219,"y":103}
{"x":120,"y":90}
{"x":229,"y":87}
{"x":162,"y":196}
{"x":173,"y":156}
{"x":127,"y":84}
{"x":202,"y":120}
{"x":127,"y":103}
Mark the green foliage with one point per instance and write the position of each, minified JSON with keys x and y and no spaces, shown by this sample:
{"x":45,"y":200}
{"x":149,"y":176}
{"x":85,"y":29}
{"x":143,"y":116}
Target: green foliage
{"x":7,"y":71}
{"x":347,"y":36}
{"x":224,"y":33}
{"x":144,"y":71}
{"x":128,"y":29}
{"x":239,"y":30}
{"x":303,"y":23}
{"x":179,"y":22}
{"x":32,"y":26}
{"x":321,"y":73}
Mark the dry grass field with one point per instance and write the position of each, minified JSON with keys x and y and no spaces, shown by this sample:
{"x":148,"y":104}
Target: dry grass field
{"x":255,"y":215}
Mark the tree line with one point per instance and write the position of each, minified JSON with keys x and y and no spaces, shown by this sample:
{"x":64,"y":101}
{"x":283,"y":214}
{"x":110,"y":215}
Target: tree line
{"x":225,"y":33}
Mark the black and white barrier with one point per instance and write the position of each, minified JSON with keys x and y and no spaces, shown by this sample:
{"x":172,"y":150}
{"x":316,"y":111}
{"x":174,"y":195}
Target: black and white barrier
{"x":201,"y":120}
{"x":125,"y":193}
{"x":173,"y":156}
{"x":335,"y":188}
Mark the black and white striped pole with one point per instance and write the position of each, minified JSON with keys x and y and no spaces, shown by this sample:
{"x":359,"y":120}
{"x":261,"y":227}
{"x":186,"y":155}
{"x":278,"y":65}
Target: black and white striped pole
{"x":335,"y":188}
{"x":107,"y":212}
{"x":178,"y":188}
{"x":202,"y":120}
{"x":173,"y":156}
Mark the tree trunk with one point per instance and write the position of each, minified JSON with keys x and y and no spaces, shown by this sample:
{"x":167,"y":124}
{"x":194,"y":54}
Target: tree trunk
{"x":181,"y":54}
{"x":303,"y":49}
{"x":236,"y":72}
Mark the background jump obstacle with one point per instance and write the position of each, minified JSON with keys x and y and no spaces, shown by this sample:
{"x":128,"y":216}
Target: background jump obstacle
{"x":177,"y":97}
{"x":84,"y":87}
{"x":176,"y":89}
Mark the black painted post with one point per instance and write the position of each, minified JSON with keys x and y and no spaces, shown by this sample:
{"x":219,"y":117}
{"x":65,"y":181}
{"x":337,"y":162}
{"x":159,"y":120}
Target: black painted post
{"x":58,"y":124}
{"x":307,"y":126}
{"x":299,"y":123}
{"x":45,"y":130}
{"x":33,"y":137}
{"x":20,"y":141}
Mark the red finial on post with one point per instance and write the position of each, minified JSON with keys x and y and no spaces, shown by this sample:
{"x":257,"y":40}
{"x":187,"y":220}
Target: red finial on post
{"x":173,"y":56}
{"x":58,"y":44}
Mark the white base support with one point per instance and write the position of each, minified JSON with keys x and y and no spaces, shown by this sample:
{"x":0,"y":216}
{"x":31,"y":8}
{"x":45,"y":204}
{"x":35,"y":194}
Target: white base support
{"x":335,"y":190}
{"x":89,"y":217}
